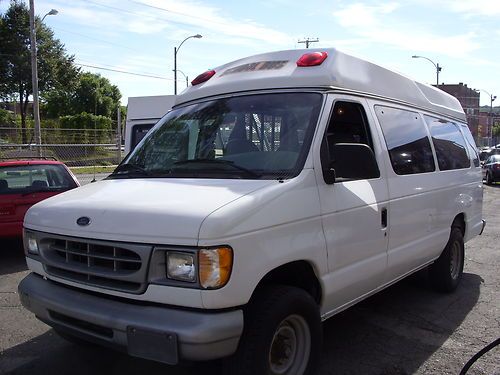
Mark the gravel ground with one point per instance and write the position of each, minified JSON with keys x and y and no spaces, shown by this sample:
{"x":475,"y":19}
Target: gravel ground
{"x":406,"y":329}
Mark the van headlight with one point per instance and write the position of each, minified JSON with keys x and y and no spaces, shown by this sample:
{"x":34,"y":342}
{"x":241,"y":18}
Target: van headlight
{"x":181,"y":266}
{"x":30,"y":243}
{"x":208,"y":268}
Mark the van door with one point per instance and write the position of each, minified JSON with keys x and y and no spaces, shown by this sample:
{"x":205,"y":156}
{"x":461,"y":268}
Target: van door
{"x":354,"y":210}
{"x":415,"y":190}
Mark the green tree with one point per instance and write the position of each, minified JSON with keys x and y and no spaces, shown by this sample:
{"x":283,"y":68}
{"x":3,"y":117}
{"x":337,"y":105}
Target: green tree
{"x":496,"y":130}
{"x":92,"y":93}
{"x":56,"y":69}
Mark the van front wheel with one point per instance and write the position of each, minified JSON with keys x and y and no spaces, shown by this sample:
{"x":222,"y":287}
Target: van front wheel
{"x":446,"y":272}
{"x":282,"y":334}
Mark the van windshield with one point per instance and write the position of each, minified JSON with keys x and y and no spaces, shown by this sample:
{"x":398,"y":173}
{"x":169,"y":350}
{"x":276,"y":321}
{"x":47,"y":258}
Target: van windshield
{"x":264,"y":136}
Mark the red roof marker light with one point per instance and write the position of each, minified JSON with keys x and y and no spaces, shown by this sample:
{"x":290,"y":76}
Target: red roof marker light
{"x":203,"y":77}
{"x":312,"y":59}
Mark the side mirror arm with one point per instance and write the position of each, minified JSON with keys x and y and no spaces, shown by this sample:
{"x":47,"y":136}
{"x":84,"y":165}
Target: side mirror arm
{"x":327,"y":164}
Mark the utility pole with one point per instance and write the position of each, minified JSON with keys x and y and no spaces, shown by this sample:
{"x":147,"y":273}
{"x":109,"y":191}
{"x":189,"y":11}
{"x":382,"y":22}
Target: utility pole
{"x":492,"y":99}
{"x":308,"y":41}
{"x":34,"y":79}
{"x":119,"y":135}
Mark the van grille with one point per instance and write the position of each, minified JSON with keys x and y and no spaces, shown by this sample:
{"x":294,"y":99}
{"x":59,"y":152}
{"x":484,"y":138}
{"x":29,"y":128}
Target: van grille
{"x":113,"y":265}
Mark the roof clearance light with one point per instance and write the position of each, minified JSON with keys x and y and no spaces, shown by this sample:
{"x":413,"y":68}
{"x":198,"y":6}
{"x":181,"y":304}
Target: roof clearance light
{"x":312,"y":59}
{"x":203,"y":77}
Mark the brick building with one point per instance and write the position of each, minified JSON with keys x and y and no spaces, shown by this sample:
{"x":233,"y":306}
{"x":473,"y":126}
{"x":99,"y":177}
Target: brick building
{"x":486,"y":121}
{"x":469,"y":99}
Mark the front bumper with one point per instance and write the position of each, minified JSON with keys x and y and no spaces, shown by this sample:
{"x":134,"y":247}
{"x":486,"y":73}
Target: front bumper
{"x":159,"y":333}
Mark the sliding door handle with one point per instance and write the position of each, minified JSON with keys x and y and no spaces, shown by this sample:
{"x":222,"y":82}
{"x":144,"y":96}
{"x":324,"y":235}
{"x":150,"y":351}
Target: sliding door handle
{"x":383,"y":218}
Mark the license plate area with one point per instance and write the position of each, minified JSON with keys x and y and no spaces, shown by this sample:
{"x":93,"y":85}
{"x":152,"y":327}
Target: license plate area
{"x":154,"y":345}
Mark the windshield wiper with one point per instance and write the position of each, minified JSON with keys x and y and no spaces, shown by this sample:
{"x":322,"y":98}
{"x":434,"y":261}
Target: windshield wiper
{"x":126,"y":168}
{"x":229,"y":163}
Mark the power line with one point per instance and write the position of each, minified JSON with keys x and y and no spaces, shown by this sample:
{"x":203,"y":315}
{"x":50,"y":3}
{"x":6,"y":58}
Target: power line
{"x":124,"y":71}
{"x":179,"y":13}
{"x":96,"y":39}
{"x":136,"y":13}
{"x":110,"y":66}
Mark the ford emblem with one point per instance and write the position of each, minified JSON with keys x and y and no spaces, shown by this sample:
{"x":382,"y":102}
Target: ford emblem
{"x":83,"y":221}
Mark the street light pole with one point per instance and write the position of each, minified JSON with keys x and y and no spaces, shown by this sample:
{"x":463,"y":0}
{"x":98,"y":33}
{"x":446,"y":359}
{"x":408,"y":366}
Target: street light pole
{"x":176,"y":50}
{"x":34,"y":73}
{"x":438,"y":68}
{"x":490,"y":116}
{"x":185,"y":76}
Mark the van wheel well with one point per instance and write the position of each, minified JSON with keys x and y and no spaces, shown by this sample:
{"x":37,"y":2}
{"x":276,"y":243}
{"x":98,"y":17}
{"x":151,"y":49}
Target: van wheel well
{"x":459,"y":222}
{"x":299,"y":274}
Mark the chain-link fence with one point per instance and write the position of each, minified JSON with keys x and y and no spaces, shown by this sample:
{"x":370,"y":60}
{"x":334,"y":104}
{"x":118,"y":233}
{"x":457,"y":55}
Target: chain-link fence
{"x":90,"y":154}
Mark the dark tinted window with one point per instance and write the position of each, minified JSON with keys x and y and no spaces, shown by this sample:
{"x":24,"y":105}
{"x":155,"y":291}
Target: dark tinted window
{"x":139,"y":132}
{"x":348,"y":124}
{"x":407,"y":141}
{"x":471,"y":145}
{"x":449,"y":144}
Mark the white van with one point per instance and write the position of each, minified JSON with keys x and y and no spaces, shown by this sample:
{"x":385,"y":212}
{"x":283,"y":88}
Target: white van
{"x":280,"y":190}
{"x":143,"y":112}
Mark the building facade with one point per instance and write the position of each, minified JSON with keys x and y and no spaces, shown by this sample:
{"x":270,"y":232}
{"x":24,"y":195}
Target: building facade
{"x":469,"y":99}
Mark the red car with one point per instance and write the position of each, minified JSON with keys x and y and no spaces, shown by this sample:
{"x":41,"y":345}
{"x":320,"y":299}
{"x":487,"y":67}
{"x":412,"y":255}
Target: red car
{"x":26,"y":182}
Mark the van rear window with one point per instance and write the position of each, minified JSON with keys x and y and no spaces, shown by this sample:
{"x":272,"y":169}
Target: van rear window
{"x":449,"y":144}
{"x":407,"y":141}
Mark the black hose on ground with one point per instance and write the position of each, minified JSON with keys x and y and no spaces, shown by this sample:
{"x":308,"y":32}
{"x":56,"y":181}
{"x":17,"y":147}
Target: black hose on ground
{"x":478,"y":355}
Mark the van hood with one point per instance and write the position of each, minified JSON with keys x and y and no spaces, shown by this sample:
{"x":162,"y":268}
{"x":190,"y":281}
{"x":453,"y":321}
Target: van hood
{"x":157,"y":211}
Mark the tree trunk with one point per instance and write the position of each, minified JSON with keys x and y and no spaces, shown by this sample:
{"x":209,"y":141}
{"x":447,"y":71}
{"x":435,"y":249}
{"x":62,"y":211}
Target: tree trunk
{"x":23,"y":107}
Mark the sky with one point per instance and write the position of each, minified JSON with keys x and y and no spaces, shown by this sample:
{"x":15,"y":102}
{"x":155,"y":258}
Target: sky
{"x":139,"y":36}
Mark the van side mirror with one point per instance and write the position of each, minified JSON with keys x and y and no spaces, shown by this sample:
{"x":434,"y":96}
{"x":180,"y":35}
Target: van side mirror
{"x":353,"y":161}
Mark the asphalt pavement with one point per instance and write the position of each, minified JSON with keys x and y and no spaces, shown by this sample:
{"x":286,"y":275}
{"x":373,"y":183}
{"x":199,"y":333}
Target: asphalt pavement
{"x":406,"y":329}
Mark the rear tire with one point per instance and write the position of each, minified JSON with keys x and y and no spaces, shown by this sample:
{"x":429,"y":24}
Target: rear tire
{"x":489,"y":179}
{"x":282,"y":334}
{"x":446,"y":272}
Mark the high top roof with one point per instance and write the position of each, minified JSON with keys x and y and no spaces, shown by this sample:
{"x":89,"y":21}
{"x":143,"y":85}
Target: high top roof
{"x":339,"y":71}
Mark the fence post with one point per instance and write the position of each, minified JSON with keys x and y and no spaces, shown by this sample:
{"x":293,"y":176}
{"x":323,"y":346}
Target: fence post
{"x":119,"y":135}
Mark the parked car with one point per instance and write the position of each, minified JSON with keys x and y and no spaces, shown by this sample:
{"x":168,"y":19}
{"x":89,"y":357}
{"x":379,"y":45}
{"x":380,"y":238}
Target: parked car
{"x":491,"y":169}
{"x":486,"y":152}
{"x":26,"y":182}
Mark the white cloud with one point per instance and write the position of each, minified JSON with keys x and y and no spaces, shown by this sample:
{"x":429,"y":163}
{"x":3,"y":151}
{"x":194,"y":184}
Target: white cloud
{"x":489,"y":8}
{"x":379,"y":24}
{"x":161,"y":15}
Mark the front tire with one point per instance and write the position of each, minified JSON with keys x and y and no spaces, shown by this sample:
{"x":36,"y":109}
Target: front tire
{"x":446,"y":272}
{"x":282,"y":334}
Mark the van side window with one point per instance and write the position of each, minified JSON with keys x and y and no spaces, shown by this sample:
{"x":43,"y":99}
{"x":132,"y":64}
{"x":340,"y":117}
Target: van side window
{"x":449,"y":144}
{"x":471,"y":145}
{"x":348,"y":124}
{"x":407,"y":141}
